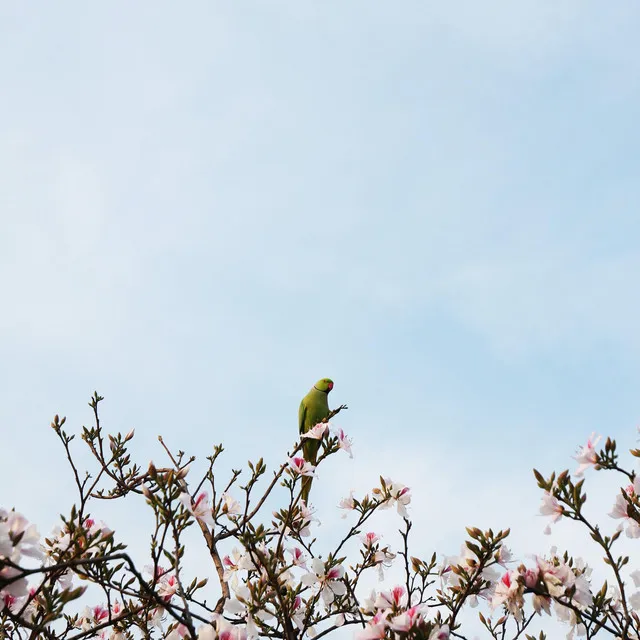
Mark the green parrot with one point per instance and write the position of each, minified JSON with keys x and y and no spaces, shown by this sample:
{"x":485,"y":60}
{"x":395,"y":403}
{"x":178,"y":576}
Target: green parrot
{"x":314,"y":408}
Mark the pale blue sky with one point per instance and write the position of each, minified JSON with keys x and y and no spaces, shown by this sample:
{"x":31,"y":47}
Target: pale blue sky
{"x":206,"y":207}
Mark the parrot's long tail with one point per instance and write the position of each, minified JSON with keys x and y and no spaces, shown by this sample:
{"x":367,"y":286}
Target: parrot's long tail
{"x":306,"y":488}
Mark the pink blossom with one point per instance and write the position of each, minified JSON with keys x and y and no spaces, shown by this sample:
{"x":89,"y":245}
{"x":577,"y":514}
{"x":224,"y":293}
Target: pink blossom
{"x":18,"y":537}
{"x":633,"y":489}
{"x":440,"y":633}
{"x":394,"y":599}
{"x":233,"y":632}
{"x":304,"y":519}
{"x":18,"y":588}
{"x":369,"y":539}
{"x":407,"y":620}
{"x":317,"y":432}
{"x":565,"y":614}
{"x":167,"y":586}
{"x":368,"y":604}
{"x":531,"y":577}
{"x":553,"y":576}
{"x":298,"y":558}
{"x":301,"y":519}
{"x":587,"y":455}
{"x":224,"y":630}
{"x":504,"y":555}
{"x":7,"y":601}
{"x":558,"y":577}
{"x":155,"y":617}
{"x":241,"y":606}
{"x":403,"y":499}
{"x":100,"y":613}
{"x":383,"y":559}
{"x":348,"y":503}
{"x":94,"y":528}
{"x":467,"y":560}
{"x":328,"y":581}
{"x":178,"y":632}
{"x":551,"y":507}
{"x":344,"y":442}
{"x":230,"y":506}
{"x":62,"y":539}
{"x":207,"y":632}
{"x":509,"y":592}
{"x":541,"y":603}
{"x":236,"y":562}
{"x":92,"y":616}
{"x":398,"y":494}
{"x":200,"y":508}
{"x":375,"y":629}
{"x":66,"y":579}
{"x":230,"y":567}
{"x":298,"y":614}
{"x":620,"y":511}
{"x":301,"y":467}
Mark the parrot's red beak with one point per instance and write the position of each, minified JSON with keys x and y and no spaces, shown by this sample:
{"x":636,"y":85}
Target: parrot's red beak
{"x":330,"y":386}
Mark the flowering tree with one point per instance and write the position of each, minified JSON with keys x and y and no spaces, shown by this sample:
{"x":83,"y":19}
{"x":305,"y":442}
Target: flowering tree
{"x":272,"y":582}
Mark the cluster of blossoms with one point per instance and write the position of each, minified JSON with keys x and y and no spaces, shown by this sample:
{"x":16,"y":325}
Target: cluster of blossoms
{"x":454,"y":568}
{"x":164,"y":582}
{"x":18,"y":539}
{"x":218,"y":629}
{"x":391,"y":493}
{"x":388,"y":494}
{"x":587,"y":455}
{"x":75,"y":539}
{"x":297,"y":522}
{"x":326,"y":581}
{"x":381,"y":557}
{"x":247,"y":573}
{"x":626,"y":508}
{"x":388,"y":612}
{"x":324,"y":428}
{"x":248,"y":577}
{"x":298,"y":466}
{"x":92,"y":617}
{"x":274,"y":583}
{"x":201,"y":509}
{"x":627,"y":503}
{"x":549,"y":580}
{"x":234,"y":563}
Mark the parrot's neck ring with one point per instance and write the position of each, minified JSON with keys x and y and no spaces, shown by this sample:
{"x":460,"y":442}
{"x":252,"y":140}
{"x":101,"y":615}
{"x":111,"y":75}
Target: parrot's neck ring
{"x":320,"y":390}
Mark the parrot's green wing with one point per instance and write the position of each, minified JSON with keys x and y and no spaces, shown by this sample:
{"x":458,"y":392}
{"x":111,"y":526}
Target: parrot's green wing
{"x":302,"y":414}
{"x":307,"y":448}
